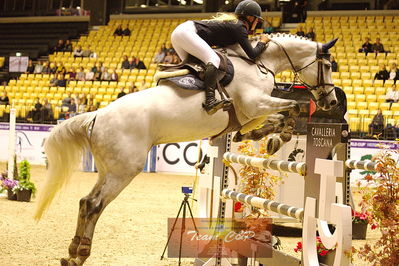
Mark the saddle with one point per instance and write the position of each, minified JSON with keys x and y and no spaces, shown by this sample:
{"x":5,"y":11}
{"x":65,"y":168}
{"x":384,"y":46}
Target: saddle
{"x":189,"y":74}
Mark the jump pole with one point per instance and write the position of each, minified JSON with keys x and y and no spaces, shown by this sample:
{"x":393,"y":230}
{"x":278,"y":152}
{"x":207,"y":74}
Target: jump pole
{"x":11,"y":143}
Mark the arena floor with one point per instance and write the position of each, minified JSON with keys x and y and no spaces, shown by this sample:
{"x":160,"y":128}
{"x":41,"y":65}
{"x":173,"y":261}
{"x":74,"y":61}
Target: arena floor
{"x":131,"y":231}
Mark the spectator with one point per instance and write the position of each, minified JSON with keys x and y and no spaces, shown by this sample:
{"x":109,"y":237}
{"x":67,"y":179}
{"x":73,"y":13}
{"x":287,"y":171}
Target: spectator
{"x":390,"y":132}
{"x":158,"y":57}
{"x":81,"y":107}
{"x":97,"y":71}
{"x":78,"y":52}
{"x":72,"y":73}
{"x":176,"y":59}
{"x":53,"y":68}
{"x":87,"y":52}
{"x":38,"y":68}
{"x":59,"y":47}
{"x":377,"y":124}
{"x":125,"y":63}
{"x":105,"y":75}
{"x":46,"y":68}
{"x":83,"y":99}
{"x":126,"y":32}
{"x":300,"y":32}
{"x":68,"y":46}
{"x":121,"y":93}
{"x":92,"y":108}
{"x":392,"y":95}
{"x":114,"y":76}
{"x":47,"y":110}
{"x":378,"y":47}
{"x":31,"y":68}
{"x":60,"y":69}
{"x":67,"y":100}
{"x":164,"y":49}
{"x":72,"y":108}
{"x":334,"y":65}
{"x":132,"y":63}
{"x":54,"y":81}
{"x":36,"y":114}
{"x":118,"y":31}
{"x":394,"y":73}
{"x":367,"y":47}
{"x":80,"y":75}
{"x":168,"y":58}
{"x":61,"y":80}
{"x":311,"y":35}
{"x":140,"y":64}
{"x":89,"y":75}
{"x":382,"y":74}
{"x":4,"y":100}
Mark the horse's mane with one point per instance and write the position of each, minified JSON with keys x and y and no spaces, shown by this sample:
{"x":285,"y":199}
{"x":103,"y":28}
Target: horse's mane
{"x":281,"y":35}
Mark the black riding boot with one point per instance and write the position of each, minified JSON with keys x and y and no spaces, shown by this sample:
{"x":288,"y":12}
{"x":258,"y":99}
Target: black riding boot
{"x":211,"y":104}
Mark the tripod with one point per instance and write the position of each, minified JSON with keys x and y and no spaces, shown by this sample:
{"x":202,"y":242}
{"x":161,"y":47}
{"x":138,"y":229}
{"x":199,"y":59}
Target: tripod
{"x":183,"y":207}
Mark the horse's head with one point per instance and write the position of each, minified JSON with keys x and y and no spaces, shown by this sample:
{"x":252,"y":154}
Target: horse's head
{"x":316,"y":75}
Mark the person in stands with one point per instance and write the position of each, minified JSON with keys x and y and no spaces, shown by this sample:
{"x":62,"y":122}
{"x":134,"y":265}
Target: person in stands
{"x":196,"y":38}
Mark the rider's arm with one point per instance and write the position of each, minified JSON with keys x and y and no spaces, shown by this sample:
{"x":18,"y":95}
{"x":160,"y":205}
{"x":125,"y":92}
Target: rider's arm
{"x":242,"y":39}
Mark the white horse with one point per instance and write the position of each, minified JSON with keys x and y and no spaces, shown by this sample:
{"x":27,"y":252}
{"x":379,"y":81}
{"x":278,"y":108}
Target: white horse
{"x":121,"y":134}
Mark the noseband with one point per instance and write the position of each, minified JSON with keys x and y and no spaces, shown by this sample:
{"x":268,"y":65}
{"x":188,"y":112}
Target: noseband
{"x":320,"y":72}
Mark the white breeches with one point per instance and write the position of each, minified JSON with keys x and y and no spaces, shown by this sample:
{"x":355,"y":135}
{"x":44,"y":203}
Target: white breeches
{"x":185,"y":41}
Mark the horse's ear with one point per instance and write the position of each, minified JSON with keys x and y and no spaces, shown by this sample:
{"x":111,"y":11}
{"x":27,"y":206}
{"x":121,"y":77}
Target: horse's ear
{"x":328,"y":45}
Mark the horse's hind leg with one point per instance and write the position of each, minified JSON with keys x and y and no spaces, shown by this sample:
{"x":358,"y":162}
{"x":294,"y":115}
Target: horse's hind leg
{"x":90,"y":210}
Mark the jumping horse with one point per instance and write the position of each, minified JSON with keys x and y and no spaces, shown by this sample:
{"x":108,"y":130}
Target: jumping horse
{"x":121,"y":134}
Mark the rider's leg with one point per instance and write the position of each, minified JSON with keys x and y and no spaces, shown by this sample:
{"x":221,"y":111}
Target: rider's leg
{"x":186,"y":40}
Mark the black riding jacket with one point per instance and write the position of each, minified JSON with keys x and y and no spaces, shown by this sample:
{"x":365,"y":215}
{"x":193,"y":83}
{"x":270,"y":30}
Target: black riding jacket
{"x":222,"y":34}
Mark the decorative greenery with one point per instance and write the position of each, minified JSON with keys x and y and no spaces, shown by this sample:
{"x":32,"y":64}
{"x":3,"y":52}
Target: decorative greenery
{"x":25,"y":185}
{"x":24,"y":170}
{"x":321,"y":249}
{"x":380,"y":197}
{"x":256,"y":181}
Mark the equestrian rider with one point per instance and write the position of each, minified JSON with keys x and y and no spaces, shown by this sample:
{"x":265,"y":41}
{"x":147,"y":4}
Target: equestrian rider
{"x":196,"y":38}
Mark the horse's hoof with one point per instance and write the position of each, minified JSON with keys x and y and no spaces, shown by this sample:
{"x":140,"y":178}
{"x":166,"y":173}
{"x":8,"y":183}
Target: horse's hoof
{"x":68,"y":262}
{"x":273,"y":145}
{"x":64,"y":262}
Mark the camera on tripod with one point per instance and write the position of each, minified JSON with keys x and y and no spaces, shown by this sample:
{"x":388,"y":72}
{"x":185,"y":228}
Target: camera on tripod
{"x":187,"y":190}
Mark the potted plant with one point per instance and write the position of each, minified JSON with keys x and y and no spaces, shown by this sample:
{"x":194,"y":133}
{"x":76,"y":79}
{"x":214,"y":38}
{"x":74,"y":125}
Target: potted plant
{"x":325,"y":256}
{"x":380,"y":197}
{"x":9,"y":185}
{"x":359,"y":224}
{"x":25,"y":188}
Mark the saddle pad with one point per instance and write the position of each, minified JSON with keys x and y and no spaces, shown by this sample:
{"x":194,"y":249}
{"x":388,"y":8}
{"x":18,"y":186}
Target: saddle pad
{"x":192,"y":82}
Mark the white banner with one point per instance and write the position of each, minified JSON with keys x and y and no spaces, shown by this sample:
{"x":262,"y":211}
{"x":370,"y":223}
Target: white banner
{"x":29,"y":142}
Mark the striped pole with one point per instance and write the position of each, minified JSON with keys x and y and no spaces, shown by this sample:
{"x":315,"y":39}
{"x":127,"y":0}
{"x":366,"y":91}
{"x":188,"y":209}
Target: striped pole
{"x":265,"y":204}
{"x":363,"y":165}
{"x":285,"y":166}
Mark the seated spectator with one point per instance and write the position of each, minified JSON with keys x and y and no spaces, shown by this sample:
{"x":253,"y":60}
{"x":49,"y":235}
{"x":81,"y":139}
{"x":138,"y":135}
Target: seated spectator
{"x":61,"y":81}
{"x":140,"y":64}
{"x":126,"y":32}
{"x":300,"y":32}
{"x":46,"y":68}
{"x":47,"y":110}
{"x":78,"y":52}
{"x":31,"y":68}
{"x":87,"y":52}
{"x":168,"y":58}
{"x":367,"y":47}
{"x":394,"y":73}
{"x":164,"y":49}
{"x":159,"y":56}
{"x":36,"y":113}
{"x":92,"y":108}
{"x":105,"y":75}
{"x":81,"y":107}
{"x":83,"y":99}
{"x":60,"y":69}
{"x":132,"y":63}
{"x":68,"y":46}
{"x":382,"y":74}
{"x":81,"y":75}
{"x":72,"y":73}
{"x":171,"y":50}
{"x":118,"y":31}
{"x":121,"y":93}
{"x":377,"y":124}
{"x":114,"y":76}
{"x":125,"y":63}
{"x":72,"y":108}
{"x":93,"y":55}
{"x":59,"y":47}
{"x":311,"y":35}
{"x":53,"y":68}
{"x":54,"y":81}
{"x":390,"y":132}
{"x":38,"y":68}
{"x":392,"y":95}
{"x":67,"y":100}
{"x":89,"y":76}
{"x":97,"y":71}
{"x":378,"y":47}
{"x":334,"y":64}
{"x":4,"y":100}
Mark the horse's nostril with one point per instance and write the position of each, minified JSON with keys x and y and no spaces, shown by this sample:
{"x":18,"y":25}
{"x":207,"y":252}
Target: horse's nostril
{"x":333,"y":103}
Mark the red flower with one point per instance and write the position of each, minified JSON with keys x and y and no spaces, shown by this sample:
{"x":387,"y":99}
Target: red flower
{"x":238,"y":207}
{"x":323,"y":252}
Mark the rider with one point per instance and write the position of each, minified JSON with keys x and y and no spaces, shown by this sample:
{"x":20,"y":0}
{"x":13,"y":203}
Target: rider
{"x":197,"y":37}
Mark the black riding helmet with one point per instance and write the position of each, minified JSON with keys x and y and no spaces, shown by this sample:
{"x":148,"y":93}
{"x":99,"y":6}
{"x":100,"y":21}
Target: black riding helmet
{"x":249,"y":8}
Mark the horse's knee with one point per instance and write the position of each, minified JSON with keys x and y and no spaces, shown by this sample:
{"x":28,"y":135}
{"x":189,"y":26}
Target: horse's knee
{"x":84,"y":247}
{"x":93,"y":206}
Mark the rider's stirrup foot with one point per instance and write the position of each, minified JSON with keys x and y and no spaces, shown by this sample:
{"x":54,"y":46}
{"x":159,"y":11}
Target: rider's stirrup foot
{"x":227,"y":104}
{"x":213,"y":107}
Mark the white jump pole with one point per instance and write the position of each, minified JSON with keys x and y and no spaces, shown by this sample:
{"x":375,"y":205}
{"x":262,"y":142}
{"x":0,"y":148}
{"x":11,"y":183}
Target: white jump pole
{"x":11,"y":143}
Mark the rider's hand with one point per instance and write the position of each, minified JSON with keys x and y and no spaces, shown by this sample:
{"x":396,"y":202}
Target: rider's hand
{"x":264,"y":38}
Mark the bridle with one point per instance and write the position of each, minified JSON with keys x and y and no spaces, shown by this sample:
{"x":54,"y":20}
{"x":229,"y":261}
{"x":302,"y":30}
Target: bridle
{"x":320,"y":55}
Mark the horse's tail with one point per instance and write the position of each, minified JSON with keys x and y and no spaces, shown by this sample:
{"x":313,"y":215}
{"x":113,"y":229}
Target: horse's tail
{"x":63,"y":149}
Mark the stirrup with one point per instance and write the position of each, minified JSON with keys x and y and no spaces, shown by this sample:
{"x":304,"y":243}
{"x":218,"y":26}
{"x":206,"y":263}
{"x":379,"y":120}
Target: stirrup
{"x":214,"y":107}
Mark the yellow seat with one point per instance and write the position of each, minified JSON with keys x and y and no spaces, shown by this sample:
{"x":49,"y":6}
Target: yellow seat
{"x":369,"y":90}
{"x":358,"y":90}
{"x":354,"y":123}
{"x":387,"y":114}
{"x":371,"y":98}
{"x":361,"y":105}
{"x":350,"y":97}
{"x":385,"y":106}
{"x":380,"y":91}
{"x":351,"y":105}
{"x":378,"y":83}
{"x":348,"y":89}
{"x":364,"y":113}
